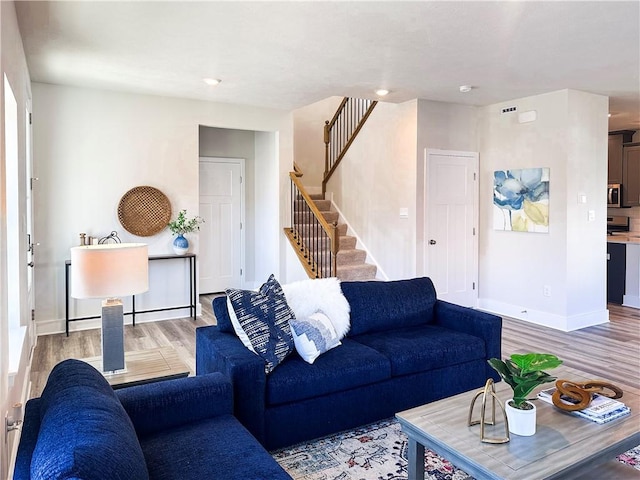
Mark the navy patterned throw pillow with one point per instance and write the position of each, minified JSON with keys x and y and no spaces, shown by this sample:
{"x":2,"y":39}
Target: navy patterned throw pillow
{"x":264,"y":316}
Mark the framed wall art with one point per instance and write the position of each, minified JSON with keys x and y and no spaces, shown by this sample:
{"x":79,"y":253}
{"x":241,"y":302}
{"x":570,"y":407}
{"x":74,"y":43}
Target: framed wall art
{"x":521,"y":200}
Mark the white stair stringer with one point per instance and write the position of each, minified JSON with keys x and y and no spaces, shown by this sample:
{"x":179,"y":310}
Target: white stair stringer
{"x":380,"y":274}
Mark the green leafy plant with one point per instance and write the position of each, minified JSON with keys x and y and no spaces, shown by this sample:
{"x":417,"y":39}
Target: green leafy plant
{"x":182,"y":225}
{"x":524,"y":373}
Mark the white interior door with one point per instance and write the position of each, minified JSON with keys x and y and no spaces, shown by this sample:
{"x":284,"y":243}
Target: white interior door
{"x":451,"y":240}
{"x":221,"y":239}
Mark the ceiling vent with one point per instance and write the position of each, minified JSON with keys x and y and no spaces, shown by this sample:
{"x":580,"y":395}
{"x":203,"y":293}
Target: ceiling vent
{"x":509,"y":109}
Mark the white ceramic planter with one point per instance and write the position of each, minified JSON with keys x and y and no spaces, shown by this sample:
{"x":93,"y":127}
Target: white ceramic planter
{"x":521,"y":422}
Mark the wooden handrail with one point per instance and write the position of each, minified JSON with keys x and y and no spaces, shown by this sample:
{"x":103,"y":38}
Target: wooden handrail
{"x":348,"y":119}
{"x":312,"y":205}
{"x":313,"y":252}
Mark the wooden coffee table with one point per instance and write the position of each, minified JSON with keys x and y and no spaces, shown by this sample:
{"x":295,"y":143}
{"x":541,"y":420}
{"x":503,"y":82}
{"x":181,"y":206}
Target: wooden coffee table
{"x":564,"y":446}
{"x":145,"y":366}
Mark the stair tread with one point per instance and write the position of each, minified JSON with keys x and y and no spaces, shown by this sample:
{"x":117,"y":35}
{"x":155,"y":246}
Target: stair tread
{"x":357,"y":267}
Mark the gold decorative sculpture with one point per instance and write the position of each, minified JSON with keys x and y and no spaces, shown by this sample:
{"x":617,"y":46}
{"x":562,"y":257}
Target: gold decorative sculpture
{"x":489,"y":390}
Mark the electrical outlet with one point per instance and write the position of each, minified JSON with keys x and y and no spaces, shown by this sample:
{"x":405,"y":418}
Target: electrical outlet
{"x":546,"y":290}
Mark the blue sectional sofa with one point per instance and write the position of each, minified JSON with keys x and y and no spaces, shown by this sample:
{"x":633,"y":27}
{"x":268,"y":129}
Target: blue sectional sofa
{"x":404,"y":348}
{"x":177,"y":429}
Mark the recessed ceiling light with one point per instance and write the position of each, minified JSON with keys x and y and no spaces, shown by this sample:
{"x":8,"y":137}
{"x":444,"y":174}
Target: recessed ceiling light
{"x":212,"y":81}
{"x":465,"y":88}
{"x":382,"y":92}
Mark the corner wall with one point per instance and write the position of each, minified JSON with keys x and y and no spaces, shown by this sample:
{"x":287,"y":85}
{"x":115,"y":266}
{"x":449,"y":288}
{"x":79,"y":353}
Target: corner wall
{"x":308,"y":138}
{"x":91,"y":146}
{"x":376,"y":178}
{"x":442,"y":126}
{"x":570,"y":137}
{"x":15,"y":343}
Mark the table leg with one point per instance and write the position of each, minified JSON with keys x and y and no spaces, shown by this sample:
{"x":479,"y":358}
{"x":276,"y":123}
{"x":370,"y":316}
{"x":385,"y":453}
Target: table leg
{"x":415,"y":459}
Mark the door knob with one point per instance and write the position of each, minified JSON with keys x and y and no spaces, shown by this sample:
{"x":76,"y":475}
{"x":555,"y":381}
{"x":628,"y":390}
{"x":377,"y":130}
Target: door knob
{"x":432,"y":242}
{"x":30,"y":264}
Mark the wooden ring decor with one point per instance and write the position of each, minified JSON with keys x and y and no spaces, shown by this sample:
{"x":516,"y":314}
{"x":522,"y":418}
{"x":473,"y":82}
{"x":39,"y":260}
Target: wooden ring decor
{"x":144,"y":211}
{"x":582,"y":393}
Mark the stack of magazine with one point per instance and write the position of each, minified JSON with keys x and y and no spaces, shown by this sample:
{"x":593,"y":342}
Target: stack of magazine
{"x":601,"y":409}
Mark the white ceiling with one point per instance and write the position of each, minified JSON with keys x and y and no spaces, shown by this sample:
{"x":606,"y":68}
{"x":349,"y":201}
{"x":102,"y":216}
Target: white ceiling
{"x":287,"y":55}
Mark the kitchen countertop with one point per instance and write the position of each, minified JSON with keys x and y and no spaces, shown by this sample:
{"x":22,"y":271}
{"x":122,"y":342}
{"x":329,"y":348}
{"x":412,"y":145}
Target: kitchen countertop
{"x":626,"y":237}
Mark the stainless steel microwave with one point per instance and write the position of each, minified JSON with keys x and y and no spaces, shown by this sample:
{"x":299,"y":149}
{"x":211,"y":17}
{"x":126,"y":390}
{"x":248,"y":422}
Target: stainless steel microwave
{"x":614,"y":195}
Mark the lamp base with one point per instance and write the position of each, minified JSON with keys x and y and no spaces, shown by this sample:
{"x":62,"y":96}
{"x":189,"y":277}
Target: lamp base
{"x":112,"y":335}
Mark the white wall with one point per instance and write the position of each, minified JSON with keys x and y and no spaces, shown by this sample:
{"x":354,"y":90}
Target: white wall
{"x":91,"y":146}
{"x":14,"y":384}
{"x":308,"y":138}
{"x":570,"y":137}
{"x":375,"y":179}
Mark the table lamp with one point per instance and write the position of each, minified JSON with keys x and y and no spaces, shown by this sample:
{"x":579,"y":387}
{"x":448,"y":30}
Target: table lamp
{"x":110,"y":271}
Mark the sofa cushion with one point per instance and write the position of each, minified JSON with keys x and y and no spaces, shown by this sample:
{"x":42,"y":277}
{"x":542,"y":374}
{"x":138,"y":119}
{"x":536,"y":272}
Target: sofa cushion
{"x":84,"y":430}
{"x":314,"y":336}
{"x":350,"y":365}
{"x":264,"y":316}
{"x":378,"y":306}
{"x":423,"y":348}
{"x":219,"y":448}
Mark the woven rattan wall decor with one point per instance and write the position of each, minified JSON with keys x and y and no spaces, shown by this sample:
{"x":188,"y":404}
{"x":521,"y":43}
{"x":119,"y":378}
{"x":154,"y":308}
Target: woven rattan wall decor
{"x":144,"y":211}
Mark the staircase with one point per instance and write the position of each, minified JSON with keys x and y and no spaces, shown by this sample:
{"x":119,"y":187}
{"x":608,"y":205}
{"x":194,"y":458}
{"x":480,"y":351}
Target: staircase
{"x":320,"y":241}
{"x":351,"y":261}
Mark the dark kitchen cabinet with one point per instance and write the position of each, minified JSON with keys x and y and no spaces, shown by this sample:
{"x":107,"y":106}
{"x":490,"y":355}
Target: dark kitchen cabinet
{"x":631,"y":175}
{"x":616,"y":271}
{"x":616,"y":139}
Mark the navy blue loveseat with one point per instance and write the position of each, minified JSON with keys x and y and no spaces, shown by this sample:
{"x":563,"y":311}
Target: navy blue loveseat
{"x":405,"y":348}
{"x":178,"y":429}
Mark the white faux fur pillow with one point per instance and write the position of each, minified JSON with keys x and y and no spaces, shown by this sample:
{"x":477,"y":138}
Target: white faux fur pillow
{"x":308,"y":296}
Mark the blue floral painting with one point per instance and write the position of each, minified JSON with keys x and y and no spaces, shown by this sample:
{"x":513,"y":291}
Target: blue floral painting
{"x":521,"y":200}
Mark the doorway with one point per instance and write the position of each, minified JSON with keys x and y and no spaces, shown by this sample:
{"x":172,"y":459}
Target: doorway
{"x":222,"y":233}
{"x":451,"y":226}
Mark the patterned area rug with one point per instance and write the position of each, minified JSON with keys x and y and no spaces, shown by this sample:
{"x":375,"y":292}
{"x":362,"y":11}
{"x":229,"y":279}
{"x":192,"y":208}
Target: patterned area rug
{"x":374,"y":452}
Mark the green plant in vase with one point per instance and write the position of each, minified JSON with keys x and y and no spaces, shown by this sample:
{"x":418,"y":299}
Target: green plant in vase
{"x":180,"y":226}
{"x":523,"y":373}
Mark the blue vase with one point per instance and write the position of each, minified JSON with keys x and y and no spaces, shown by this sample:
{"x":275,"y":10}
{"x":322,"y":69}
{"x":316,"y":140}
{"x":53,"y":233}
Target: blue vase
{"x":180,"y":245}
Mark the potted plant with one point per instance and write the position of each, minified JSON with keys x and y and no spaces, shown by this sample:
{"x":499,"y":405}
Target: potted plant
{"x":180,"y":226}
{"x":524,"y":373}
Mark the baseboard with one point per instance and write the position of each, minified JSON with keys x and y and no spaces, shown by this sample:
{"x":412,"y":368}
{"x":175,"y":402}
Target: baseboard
{"x":631,"y":301}
{"x":546,"y":319}
{"x":51,"y":327}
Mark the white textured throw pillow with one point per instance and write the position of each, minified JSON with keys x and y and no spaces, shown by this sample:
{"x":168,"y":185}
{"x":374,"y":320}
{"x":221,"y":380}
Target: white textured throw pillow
{"x":313,"y":336}
{"x":324,"y":294}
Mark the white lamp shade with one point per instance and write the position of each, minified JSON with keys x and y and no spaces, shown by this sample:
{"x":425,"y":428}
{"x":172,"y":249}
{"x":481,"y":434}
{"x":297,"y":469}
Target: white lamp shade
{"x":109,"y":270}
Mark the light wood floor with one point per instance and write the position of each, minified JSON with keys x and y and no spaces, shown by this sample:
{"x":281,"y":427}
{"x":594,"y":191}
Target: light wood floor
{"x":610,"y":351}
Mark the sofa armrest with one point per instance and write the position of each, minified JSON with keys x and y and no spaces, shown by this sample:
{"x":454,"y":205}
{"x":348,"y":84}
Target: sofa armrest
{"x":474,"y":322}
{"x":224,"y":352}
{"x":28,"y":440}
{"x":158,"y":406}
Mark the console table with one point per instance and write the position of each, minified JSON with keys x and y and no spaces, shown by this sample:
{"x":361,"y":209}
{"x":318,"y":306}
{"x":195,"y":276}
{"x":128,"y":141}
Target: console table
{"x":190,"y":257}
